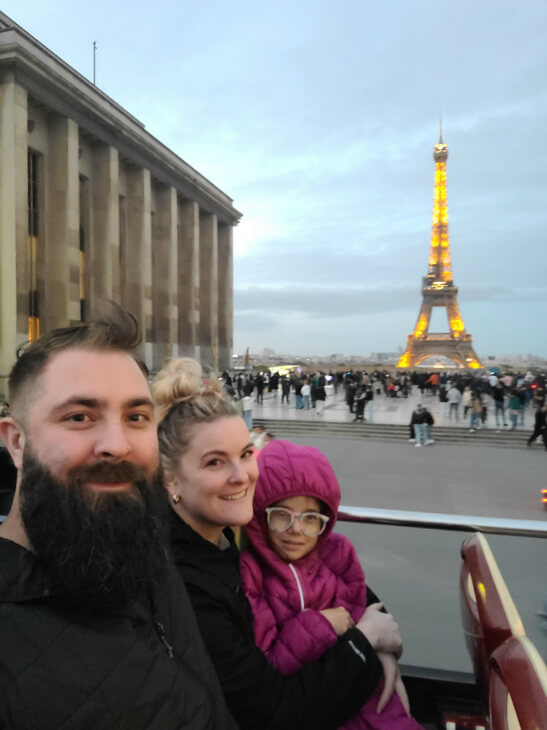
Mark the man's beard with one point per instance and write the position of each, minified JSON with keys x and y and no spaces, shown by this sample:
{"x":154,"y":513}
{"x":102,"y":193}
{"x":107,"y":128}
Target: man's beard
{"x":98,"y":548}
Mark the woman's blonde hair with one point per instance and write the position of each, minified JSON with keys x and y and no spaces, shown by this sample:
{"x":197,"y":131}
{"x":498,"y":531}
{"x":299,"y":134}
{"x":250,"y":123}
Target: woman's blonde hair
{"x":184,"y":399}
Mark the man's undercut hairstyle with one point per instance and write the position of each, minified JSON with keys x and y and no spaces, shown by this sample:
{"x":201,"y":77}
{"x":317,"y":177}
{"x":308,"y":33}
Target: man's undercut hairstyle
{"x":118,"y":331}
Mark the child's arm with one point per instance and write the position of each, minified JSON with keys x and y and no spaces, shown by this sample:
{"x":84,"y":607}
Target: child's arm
{"x":300,"y":640}
{"x":340,"y":557}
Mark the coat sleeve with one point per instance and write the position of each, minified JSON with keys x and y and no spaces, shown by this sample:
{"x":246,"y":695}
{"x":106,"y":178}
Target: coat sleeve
{"x":261,"y":697}
{"x":298,"y":641}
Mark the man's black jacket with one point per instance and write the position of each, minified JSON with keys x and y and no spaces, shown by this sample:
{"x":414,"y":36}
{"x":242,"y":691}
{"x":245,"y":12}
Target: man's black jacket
{"x":140,"y":669}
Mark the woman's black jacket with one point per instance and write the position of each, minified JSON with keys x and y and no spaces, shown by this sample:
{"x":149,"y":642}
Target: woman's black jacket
{"x":322,"y":695}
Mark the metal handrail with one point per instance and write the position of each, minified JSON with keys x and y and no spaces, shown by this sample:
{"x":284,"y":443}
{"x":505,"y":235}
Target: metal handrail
{"x":439,"y":521}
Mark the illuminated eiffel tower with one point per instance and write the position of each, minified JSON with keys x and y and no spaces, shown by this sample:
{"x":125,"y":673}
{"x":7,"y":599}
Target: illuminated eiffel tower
{"x":438,"y":288}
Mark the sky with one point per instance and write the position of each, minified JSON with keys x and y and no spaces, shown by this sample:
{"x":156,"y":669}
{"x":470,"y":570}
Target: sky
{"x":319,"y":120}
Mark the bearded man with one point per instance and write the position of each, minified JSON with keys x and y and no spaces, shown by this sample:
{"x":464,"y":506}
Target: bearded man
{"x":96,"y":628}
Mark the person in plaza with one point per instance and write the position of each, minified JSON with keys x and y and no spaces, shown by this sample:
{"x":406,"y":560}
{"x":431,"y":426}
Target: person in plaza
{"x":360,"y":402}
{"x":210,"y":474}
{"x":96,"y":627}
{"x":498,"y":396}
{"x":454,"y":397}
{"x":274,"y":384}
{"x":516,"y":408}
{"x":297,"y":384}
{"x":466,"y":400}
{"x":369,"y":405}
{"x":475,"y":410}
{"x":540,"y":426}
{"x":285,"y":389}
{"x":418,"y":425}
{"x":319,"y":394}
{"x":4,"y":411}
{"x":350,"y":390}
{"x":538,"y":397}
{"x":306,"y":394}
{"x":260,"y":383}
{"x":433,"y":383}
{"x":260,"y":437}
{"x":246,"y":404}
{"x":305,"y":583}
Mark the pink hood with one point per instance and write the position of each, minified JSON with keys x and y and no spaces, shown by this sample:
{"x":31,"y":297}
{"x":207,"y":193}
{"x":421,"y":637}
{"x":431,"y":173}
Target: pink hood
{"x":290,"y":470}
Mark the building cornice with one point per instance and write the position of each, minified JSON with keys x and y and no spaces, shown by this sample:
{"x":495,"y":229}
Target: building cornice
{"x":56,"y":85}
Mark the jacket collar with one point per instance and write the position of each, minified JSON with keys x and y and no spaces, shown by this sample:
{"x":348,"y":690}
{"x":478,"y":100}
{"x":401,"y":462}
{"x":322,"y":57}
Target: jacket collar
{"x":191,"y":551}
{"x":21,"y":578}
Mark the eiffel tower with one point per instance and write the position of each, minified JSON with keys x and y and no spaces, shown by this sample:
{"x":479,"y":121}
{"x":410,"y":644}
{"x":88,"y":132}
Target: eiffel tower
{"x":438,"y":288}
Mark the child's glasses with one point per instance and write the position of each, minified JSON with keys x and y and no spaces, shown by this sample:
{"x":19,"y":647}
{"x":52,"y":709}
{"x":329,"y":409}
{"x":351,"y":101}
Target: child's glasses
{"x":280,"y":519}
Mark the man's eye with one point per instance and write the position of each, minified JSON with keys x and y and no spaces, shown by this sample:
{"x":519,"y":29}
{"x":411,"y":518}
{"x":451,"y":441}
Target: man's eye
{"x":139,"y":417}
{"x":77,"y":417}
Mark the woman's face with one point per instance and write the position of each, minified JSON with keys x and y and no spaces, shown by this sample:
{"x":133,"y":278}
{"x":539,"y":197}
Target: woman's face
{"x":215,"y":477}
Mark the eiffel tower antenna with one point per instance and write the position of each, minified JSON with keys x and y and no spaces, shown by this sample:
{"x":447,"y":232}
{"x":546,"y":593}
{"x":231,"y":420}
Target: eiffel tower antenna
{"x":438,"y":288}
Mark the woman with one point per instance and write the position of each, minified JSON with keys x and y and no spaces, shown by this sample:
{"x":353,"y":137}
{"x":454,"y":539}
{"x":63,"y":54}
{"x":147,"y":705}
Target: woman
{"x":210,"y":474}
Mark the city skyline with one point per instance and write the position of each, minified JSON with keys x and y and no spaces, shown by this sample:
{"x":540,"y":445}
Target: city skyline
{"x":320,"y":123}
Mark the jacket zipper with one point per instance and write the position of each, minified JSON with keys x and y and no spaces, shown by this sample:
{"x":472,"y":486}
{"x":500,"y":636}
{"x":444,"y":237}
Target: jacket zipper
{"x":299,"y":586}
{"x":161,"y":633}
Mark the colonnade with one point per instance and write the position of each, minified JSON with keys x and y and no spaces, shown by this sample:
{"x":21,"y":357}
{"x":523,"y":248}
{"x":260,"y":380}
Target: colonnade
{"x":106,"y":228}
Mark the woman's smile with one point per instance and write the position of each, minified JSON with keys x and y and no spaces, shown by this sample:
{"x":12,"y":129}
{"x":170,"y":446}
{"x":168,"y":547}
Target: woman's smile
{"x":232,"y":497}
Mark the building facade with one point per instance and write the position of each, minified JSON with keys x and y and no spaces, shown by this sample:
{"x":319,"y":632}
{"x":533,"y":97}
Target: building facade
{"x":94,"y":208}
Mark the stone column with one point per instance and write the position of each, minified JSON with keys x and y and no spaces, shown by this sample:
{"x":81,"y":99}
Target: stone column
{"x":164,"y":276}
{"x":61,"y":261}
{"x":138,"y":246}
{"x":105,"y":237}
{"x":208,"y":298}
{"x":14,"y":264}
{"x":188,"y":279}
{"x":225,"y":296}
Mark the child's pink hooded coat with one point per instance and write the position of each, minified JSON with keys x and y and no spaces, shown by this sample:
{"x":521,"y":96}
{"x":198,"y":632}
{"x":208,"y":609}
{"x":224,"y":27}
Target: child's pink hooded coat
{"x":286,"y":598}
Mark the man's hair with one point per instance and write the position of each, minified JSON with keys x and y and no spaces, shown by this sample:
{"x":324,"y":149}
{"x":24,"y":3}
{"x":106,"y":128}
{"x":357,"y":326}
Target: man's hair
{"x":118,"y":331}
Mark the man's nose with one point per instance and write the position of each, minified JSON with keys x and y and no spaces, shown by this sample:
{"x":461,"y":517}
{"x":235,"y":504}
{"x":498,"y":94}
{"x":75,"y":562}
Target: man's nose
{"x":112,"y":442}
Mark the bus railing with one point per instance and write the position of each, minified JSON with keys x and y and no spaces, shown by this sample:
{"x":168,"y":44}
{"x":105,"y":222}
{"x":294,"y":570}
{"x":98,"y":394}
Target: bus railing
{"x":440,"y":521}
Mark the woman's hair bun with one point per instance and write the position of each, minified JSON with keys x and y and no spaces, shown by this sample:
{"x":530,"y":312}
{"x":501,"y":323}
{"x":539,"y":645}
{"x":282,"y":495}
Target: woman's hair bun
{"x":181,"y":380}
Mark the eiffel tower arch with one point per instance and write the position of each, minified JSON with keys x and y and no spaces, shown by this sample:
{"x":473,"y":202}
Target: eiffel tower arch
{"x":438,"y":289}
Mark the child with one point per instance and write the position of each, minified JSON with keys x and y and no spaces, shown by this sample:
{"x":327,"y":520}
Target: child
{"x":304,"y":583}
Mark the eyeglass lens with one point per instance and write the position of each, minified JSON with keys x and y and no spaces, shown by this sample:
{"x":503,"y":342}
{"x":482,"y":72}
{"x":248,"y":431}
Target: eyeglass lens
{"x":280,"y":519}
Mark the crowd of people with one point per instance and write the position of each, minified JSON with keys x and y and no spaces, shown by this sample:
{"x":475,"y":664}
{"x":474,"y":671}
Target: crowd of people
{"x":463,"y":397}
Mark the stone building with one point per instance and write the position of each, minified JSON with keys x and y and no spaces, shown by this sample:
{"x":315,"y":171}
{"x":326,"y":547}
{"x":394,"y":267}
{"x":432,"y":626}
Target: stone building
{"x":93,"y":207}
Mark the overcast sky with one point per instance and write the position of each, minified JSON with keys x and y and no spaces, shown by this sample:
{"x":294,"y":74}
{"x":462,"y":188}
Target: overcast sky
{"x":319,"y":120}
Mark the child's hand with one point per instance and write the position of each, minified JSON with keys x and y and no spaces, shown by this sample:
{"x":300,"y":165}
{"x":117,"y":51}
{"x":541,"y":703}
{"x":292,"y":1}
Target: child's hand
{"x":392,"y":683}
{"x":381,"y":630}
{"x":339,"y":619}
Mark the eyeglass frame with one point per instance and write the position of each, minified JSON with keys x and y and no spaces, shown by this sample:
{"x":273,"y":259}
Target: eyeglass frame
{"x":324,"y":519}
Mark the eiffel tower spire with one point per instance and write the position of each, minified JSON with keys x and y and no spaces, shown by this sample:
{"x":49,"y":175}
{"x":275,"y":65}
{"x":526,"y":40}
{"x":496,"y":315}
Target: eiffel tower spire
{"x":438,"y":288}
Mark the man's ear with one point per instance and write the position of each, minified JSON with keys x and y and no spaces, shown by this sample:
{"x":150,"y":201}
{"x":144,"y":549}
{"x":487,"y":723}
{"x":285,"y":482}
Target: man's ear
{"x":13,"y":436}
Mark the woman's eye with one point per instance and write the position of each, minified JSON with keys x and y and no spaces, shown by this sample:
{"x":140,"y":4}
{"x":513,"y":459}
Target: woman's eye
{"x":248,"y":454}
{"x":213,"y":462}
